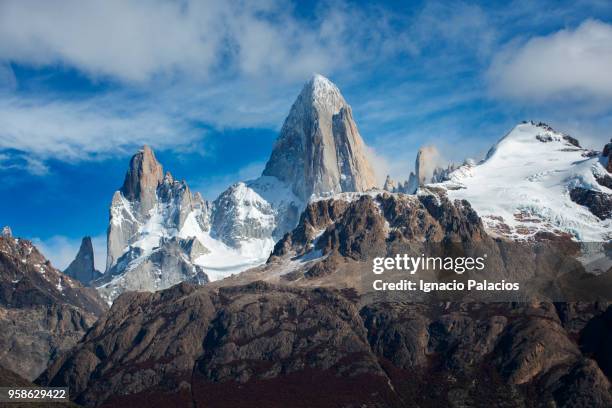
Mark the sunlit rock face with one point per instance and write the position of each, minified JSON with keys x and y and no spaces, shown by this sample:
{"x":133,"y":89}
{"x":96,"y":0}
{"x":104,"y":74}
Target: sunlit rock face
{"x":320,"y":150}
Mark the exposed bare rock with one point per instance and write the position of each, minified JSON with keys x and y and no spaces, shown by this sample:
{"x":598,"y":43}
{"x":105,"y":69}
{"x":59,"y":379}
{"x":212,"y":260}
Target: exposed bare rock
{"x":194,"y":345}
{"x":149,"y":212}
{"x":311,"y":347}
{"x":142,"y":179}
{"x":531,"y":347}
{"x":426,"y":162}
{"x":448,"y":351}
{"x":164,"y":266}
{"x":320,"y":150}
{"x":10,"y":378}
{"x":598,"y":202}
{"x":43,"y":313}
{"x":583,"y":386}
{"x":13,"y":380}
{"x":390,"y":184}
{"x":399,"y":333}
{"x":147,"y":193}
{"x":82,"y":267}
{"x":6,"y":232}
{"x":369,"y":226}
{"x":607,"y":156}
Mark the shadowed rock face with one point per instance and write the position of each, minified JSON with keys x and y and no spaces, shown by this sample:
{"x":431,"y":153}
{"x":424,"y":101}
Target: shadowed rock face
{"x":599,"y":203}
{"x":607,"y":155}
{"x":82,"y":267}
{"x":285,"y":346}
{"x":145,"y":189}
{"x":320,"y":149}
{"x":43,"y":313}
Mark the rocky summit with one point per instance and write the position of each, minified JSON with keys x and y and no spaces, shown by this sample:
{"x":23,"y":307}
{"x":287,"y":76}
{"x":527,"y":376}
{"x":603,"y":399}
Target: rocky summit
{"x":154,"y":232}
{"x":82,"y":267}
{"x":265,"y":296}
{"x":320,"y":150}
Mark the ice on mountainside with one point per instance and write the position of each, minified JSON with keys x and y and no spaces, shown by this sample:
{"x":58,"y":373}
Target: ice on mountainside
{"x":524,"y":186}
{"x":145,"y":248}
{"x":161,"y":234}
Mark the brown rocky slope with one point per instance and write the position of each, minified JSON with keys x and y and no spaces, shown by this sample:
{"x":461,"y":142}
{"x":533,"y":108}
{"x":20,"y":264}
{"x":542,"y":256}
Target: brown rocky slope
{"x":290,"y":344}
{"x":274,"y":346}
{"x":43,"y":312}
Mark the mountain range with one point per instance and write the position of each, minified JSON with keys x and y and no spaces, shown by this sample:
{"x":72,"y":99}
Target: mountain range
{"x":535,"y":180}
{"x":262,"y":297}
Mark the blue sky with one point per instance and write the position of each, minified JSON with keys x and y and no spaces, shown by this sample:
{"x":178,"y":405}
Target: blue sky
{"x":208,"y":84}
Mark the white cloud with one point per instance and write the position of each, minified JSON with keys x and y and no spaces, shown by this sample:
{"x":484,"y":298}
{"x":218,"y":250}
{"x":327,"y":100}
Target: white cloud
{"x":571,"y":63}
{"x":61,"y":250}
{"x":136,"y":41}
{"x":222,"y":63}
{"x":69,"y":130}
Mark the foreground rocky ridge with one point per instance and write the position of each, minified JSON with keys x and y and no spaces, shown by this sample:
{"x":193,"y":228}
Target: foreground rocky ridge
{"x":321,"y":347}
{"x":228,"y":345}
{"x":43,"y":313}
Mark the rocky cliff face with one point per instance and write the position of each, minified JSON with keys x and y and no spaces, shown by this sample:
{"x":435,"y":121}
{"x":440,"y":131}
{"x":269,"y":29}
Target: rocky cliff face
{"x":43,"y":313}
{"x":607,"y":156}
{"x":368,"y":226}
{"x":320,"y":150}
{"x":317,"y":347}
{"x":82,"y":268}
{"x":147,"y":195}
{"x":153,"y":219}
{"x":143,"y":177}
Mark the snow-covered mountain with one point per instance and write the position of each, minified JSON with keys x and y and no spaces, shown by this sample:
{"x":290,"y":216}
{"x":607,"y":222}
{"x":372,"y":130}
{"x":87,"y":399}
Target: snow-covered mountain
{"x":160,"y":233}
{"x":536,"y":180}
{"x":319,"y":152}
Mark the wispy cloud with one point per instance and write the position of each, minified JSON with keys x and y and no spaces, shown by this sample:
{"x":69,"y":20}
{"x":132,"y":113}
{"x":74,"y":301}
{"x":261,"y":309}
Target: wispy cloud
{"x":179,"y":64}
{"x":173,"y":66}
{"x":140,"y":41}
{"x":569,"y":64}
{"x":69,"y":130}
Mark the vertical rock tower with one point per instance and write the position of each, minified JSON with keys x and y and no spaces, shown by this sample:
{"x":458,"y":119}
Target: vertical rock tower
{"x":82,"y":267}
{"x":320,"y":150}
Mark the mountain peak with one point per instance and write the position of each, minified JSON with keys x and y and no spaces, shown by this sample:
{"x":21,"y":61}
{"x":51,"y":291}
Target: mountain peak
{"x":6,"y":232}
{"x":321,"y":94}
{"x":82,"y":267}
{"x":531,"y":136}
{"x":142,"y":178}
{"x":320,"y":150}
